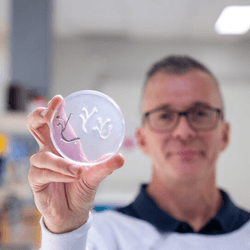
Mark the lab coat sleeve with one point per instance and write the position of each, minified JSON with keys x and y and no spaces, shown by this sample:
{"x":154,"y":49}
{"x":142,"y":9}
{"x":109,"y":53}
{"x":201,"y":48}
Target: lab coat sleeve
{"x":76,"y":239}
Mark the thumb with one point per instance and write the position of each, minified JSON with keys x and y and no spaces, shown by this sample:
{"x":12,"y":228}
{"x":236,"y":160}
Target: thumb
{"x":95,"y":174}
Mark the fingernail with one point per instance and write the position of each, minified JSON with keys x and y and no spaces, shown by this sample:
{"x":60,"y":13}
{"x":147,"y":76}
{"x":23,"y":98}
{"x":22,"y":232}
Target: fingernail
{"x":44,"y":112}
{"x":73,"y":169}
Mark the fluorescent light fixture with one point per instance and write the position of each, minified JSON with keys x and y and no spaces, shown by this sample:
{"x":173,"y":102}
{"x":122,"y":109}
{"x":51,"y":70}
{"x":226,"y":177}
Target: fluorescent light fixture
{"x":233,"y":20}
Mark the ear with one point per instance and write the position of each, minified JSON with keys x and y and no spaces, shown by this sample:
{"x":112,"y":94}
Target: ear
{"x":141,"y":140}
{"x":225,"y":136}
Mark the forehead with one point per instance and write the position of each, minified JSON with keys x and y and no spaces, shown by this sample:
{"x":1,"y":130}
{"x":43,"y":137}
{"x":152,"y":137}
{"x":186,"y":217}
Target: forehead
{"x":180,"y":91}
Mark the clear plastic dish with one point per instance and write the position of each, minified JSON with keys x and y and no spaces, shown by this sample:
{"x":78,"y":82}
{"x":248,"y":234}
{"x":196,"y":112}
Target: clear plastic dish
{"x":87,"y":127}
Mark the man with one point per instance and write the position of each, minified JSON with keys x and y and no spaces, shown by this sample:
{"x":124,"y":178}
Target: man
{"x":183,"y":131}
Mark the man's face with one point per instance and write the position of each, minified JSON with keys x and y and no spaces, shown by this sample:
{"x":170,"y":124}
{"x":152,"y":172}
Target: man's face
{"x":182,"y":153}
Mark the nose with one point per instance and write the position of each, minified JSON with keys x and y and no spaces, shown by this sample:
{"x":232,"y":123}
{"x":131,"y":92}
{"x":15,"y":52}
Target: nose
{"x":183,"y":131}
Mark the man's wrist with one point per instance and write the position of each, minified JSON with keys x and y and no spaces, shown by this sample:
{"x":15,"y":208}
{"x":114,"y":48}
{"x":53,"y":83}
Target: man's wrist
{"x":66,"y":226}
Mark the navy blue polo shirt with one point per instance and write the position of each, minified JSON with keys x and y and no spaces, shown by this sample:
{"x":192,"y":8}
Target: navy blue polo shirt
{"x":228,"y":219}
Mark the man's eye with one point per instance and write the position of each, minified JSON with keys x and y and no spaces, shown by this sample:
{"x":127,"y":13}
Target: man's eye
{"x":201,"y":113}
{"x":166,"y":116}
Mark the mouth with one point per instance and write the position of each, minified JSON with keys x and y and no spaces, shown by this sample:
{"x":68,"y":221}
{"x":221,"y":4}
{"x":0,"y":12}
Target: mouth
{"x":186,"y":153}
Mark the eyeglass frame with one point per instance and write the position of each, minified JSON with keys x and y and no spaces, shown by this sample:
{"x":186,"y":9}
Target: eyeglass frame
{"x":185,"y":113}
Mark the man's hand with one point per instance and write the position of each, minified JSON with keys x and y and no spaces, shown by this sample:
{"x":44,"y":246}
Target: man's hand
{"x":63,"y":192}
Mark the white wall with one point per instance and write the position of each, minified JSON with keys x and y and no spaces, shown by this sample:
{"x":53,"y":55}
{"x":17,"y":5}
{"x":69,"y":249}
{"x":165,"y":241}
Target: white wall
{"x":82,"y":64}
{"x":234,"y":164}
{"x":117,"y":68}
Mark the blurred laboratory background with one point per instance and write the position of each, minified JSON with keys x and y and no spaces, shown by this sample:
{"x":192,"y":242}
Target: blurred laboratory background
{"x":51,"y":47}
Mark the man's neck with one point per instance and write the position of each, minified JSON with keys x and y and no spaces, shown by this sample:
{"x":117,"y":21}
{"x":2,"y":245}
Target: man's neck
{"x":193,"y":203}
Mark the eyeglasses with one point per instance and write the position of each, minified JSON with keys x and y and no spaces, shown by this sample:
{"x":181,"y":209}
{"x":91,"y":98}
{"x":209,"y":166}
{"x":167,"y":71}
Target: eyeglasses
{"x":199,"y":119}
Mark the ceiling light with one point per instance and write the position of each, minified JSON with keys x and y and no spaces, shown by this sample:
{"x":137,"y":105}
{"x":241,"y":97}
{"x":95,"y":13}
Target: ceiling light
{"x":233,"y":20}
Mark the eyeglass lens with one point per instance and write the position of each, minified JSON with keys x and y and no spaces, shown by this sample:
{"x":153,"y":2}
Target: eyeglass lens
{"x":198,"y":119}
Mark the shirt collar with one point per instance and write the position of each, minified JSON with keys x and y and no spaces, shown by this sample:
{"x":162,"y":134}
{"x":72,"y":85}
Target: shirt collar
{"x":228,"y":214}
{"x":150,"y":212}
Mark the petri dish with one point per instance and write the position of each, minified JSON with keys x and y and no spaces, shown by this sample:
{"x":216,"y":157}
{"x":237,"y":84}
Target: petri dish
{"x":87,"y":127}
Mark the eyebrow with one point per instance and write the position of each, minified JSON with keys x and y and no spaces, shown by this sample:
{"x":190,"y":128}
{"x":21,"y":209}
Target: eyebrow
{"x":193,"y":105}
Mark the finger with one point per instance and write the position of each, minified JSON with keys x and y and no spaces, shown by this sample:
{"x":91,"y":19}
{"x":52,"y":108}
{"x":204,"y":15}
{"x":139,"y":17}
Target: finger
{"x":36,"y":120}
{"x":40,"y":177}
{"x":37,"y":123}
{"x":95,"y":174}
{"x":47,"y":160}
